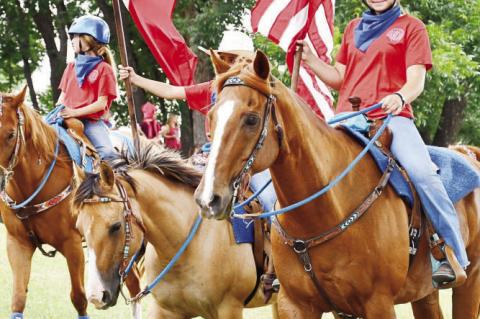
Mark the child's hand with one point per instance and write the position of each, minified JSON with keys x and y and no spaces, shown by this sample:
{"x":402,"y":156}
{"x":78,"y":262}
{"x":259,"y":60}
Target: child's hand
{"x":68,"y":113}
{"x":127,"y":72}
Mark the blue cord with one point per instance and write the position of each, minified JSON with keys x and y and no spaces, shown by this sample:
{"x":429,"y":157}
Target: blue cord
{"x":335,"y":120}
{"x":335,"y":180}
{"x":175,"y":258}
{"x":45,"y":178}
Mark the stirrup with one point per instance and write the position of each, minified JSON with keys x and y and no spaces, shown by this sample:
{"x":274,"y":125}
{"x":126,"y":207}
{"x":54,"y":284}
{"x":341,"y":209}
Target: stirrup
{"x":441,"y":277}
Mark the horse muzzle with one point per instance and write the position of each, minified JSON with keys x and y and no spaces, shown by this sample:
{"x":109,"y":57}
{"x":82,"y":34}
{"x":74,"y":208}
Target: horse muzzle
{"x":215,"y":206}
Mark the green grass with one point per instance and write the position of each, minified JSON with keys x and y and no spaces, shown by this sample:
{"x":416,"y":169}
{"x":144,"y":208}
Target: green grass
{"x":49,"y":291}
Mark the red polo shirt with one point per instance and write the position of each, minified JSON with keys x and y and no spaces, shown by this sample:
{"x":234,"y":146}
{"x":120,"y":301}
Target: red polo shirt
{"x":199,"y":97}
{"x":382,"y":69}
{"x":99,"y":82}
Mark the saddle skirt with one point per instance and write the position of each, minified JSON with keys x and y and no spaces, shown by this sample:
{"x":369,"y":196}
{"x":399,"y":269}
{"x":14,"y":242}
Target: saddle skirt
{"x":457,"y":174}
{"x":76,"y":147}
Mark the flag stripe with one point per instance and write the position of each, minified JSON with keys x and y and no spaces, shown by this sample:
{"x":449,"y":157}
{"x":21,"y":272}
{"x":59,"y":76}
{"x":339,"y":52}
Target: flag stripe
{"x":270,"y":16}
{"x":296,"y":24}
{"x":284,"y":22}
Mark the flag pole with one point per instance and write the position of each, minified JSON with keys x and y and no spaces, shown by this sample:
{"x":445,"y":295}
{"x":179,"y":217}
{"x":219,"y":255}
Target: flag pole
{"x":123,"y":58}
{"x":296,"y":66}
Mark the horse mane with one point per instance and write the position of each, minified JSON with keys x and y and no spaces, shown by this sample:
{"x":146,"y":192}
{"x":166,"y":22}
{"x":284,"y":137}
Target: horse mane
{"x":152,"y":158}
{"x":42,"y":135}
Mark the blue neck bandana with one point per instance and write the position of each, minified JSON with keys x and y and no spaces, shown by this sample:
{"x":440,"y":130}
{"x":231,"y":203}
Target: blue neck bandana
{"x":84,"y":64}
{"x":372,"y":26}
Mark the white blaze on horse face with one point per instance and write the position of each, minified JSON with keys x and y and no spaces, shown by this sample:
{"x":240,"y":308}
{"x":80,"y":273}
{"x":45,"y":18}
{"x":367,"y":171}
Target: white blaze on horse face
{"x":224,"y":112}
{"x":94,"y":285}
{"x":136,"y":310}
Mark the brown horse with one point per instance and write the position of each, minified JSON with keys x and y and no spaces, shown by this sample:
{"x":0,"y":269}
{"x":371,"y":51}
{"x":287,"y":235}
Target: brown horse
{"x":28,"y":146}
{"x":469,"y":150}
{"x":214,"y":276}
{"x":365,"y":270}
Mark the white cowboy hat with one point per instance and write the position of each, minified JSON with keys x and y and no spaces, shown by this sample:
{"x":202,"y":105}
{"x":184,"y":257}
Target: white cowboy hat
{"x":234,"y":42}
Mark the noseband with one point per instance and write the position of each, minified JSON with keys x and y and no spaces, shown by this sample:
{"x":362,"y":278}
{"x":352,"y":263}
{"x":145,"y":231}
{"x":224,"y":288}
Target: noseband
{"x":7,"y":173}
{"x":269,"y":111}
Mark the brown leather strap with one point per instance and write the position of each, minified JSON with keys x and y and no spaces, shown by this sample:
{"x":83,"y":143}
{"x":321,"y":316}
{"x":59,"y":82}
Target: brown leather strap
{"x":35,"y":240}
{"x":347,"y":222}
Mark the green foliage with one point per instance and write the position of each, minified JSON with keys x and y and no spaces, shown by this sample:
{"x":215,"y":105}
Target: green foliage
{"x":453,"y":26}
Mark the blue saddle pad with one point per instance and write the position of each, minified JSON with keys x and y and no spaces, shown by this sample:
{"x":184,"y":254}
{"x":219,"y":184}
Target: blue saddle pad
{"x":243,"y":229}
{"x":458,"y":176}
{"x":87,"y":162}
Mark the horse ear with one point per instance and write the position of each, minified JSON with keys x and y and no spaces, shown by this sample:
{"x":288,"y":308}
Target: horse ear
{"x":219,"y":65}
{"x":18,"y":99}
{"x":107,"y":177}
{"x":261,"y":65}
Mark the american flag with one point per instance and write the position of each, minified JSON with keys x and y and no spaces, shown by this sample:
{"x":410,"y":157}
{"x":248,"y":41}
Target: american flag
{"x":286,"y":21}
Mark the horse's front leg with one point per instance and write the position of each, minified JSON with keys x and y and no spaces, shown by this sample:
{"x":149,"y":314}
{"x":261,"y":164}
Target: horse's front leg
{"x":20,"y":258}
{"x":72,"y":250}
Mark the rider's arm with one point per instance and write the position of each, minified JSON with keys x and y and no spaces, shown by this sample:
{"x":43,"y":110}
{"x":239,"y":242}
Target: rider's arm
{"x":331,"y":75}
{"x":412,"y":88}
{"x":163,"y":90}
{"x":97,"y":106}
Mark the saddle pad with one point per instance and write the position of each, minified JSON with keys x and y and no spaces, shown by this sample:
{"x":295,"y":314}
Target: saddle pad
{"x":243,"y":229}
{"x":69,"y":142}
{"x":458,"y":176}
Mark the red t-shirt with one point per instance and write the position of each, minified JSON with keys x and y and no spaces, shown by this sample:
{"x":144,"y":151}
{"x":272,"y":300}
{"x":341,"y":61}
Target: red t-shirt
{"x":99,"y":82}
{"x":382,"y":69}
{"x":199,"y":96}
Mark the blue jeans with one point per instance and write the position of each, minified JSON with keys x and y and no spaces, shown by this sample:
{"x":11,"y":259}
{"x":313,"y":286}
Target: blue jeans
{"x":411,"y":152}
{"x":97,"y":132}
{"x":268,"y":197}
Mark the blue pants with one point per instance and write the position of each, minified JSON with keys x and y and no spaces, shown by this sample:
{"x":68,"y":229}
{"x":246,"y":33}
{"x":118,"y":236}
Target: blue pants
{"x":411,"y":152}
{"x":97,"y":132}
{"x":268,"y":197}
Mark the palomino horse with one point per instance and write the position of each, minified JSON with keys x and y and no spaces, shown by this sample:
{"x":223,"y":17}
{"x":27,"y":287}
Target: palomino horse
{"x":28,"y":146}
{"x":365,"y":270}
{"x":214,"y":276}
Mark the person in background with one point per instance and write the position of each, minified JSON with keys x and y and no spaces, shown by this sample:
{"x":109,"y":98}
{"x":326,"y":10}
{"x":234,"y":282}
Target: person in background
{"x":150,"y":126}
{"x":89,"y":84}
{"x":171,"y":132}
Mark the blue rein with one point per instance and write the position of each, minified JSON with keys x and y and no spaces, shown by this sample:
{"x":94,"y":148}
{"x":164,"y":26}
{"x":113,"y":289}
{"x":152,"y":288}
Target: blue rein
{"x":333,"y":121}
{"x":167,"y":268}
{"x":45,"y":178}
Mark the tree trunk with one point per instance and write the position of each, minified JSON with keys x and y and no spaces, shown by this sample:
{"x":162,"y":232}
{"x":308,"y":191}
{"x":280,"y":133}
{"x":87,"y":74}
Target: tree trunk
{"x":28,"y":76}
{"x":43,"y":21}
{"x":24,"y":42}
{"x":450,"y":122}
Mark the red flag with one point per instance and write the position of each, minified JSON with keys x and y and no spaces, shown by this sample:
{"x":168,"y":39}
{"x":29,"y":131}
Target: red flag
{"x":153,"y":19}
{"x":286,"y":21}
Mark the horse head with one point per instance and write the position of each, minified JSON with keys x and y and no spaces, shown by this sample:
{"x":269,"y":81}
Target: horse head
{"x":103,"y":208}
{"x":11,"y":134}
{"x":242,"y":124}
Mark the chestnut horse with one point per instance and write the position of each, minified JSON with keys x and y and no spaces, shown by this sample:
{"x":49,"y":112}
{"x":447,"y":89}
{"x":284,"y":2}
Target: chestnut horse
{"x":214,"y":276}
{"x":28,"y":147}
{"x":365,"y":270}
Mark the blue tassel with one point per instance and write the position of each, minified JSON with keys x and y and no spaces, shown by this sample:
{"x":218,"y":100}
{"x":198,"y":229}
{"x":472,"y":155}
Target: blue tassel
{"x":16,"y":315}
{"x":83,"y":317}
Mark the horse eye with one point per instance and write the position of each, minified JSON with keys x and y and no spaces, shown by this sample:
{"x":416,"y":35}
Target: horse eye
{"x":11,"y":136}
{"x":251,"y":120}
{"x":115,"y":228}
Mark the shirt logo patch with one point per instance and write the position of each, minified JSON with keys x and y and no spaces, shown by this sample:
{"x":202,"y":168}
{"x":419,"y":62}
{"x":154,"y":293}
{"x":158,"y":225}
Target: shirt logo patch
{"x":93,"y":76}
{"x":395,"y":35}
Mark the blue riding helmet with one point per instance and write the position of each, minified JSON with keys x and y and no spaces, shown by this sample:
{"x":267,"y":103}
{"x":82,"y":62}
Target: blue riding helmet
{"x":91,"y":25}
